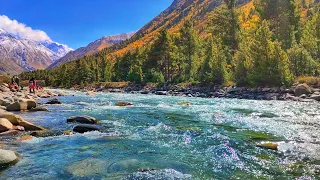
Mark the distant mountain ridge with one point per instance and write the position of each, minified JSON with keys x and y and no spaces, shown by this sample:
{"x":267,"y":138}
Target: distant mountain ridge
{"x":92,"y":48}
{"x":18,"y":54}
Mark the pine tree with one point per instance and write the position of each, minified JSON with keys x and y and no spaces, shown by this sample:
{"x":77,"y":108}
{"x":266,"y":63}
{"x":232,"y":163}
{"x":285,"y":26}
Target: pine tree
{"x":188,"y":48}
{"x":162,"y":56}
{"x":265,"y":61}
{"x":311,"y":36}
{"x":301,"y":62}
{"x":284,"y":19}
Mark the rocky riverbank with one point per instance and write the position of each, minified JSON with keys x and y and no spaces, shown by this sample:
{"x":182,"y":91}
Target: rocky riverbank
{"x":12,"y":126}
{"x":299,"y":92}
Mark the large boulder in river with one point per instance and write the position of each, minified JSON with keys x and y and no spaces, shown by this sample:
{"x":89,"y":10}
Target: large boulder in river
{"x":82,"y":120}
{"x":54,"y":101}
{"x":85,"y":128}
{"x":19,"y":121}
{"x":30,"y":127}
{"x":302,"y":89}
{"x":13,"y":118}
{"x":22,"y":105}
{"x":16,"y":106}
{"x":5,"y":125}
{"x":7,"y":158}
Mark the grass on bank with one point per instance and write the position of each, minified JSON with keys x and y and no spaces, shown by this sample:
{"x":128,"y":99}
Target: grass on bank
{"x":310,"y":80}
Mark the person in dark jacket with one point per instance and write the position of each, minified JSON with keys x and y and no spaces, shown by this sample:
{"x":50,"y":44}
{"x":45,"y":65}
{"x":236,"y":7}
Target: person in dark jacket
{"x":15,"y":82}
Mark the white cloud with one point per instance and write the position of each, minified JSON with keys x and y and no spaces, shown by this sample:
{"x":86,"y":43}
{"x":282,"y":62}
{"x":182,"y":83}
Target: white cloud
{"x":14,"y":27}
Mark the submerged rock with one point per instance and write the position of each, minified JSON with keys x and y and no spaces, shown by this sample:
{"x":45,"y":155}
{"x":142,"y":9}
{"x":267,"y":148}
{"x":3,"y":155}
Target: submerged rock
{"x":85,"y":128}
{"x":5,"y":125}
{"x":54,"y":101}
{"x":87,"y":167}
{"x":82,"y":120}
{"x":124,"y":104}
{"x":7,"y":158}
{"x":269,"y":145}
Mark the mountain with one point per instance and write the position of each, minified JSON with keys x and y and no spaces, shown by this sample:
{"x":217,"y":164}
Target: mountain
{"x":172,"y":19}
{"x":18,"y":54}
{"x":92,"y":48}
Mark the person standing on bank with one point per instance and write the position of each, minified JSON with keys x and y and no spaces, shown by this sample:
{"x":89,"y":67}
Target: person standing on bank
{"x":32,"y":85}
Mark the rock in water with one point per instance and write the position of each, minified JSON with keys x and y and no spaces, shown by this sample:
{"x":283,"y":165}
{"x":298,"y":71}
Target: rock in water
{"x":5,"y":125}
{"x":85,"y":128}
{"x":91,"y":93}
{"x":163,"y":93}
{"x":38,"y":108}
{"x":19,"y":121}
{"x":7,"y":158}
{"x":54,"y":101}
{"x":82,"y":120}
{"x":14,"y":119}
{"x":10,"y":133}
{"x":22,"y":105}
{"x":16,"y":107}
{"x":302,"y":89}
{"x":268,"y":145}
{"x":124,"y":104}
{"x":88,"y":167}
{"x":30,"y":127}
{"x":185,"y":104}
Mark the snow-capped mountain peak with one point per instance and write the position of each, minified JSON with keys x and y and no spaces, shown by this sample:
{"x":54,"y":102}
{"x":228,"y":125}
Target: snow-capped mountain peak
{"x":59,"y":50}
{"x":2,"y":31}
{"x":20,"y":54}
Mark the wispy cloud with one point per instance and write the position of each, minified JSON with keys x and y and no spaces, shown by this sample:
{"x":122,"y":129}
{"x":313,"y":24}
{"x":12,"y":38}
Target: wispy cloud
{"x":14,"y":27}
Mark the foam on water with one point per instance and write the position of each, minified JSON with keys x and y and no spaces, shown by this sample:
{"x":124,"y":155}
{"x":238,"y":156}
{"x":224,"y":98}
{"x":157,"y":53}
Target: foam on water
{"x":211,"y":139}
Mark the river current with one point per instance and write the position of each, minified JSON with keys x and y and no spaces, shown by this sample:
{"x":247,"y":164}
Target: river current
{"x":162,"y":138}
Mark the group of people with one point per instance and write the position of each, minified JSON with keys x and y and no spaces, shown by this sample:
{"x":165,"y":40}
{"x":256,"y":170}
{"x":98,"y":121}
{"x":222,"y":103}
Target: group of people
{"x":15,"y":84}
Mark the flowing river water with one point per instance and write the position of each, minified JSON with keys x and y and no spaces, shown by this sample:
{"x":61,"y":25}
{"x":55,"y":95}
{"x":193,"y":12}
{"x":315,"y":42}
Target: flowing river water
{"x":159,"y":139}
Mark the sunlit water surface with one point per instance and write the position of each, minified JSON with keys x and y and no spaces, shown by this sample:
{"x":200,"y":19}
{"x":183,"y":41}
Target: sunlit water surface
{"x":212,"y":139}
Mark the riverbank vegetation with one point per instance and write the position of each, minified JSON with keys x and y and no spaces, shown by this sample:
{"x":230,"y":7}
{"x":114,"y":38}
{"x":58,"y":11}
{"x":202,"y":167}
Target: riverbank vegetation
{"x":269,"y":44}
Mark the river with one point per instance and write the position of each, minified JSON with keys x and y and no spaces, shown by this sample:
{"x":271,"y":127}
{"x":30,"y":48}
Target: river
{"x":159,"y":139}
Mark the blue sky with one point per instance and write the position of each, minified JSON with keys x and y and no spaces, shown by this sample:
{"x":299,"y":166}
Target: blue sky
{"x":79,"y":22}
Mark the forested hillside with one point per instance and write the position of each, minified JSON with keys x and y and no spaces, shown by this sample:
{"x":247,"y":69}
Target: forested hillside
{"x":245,"y":43}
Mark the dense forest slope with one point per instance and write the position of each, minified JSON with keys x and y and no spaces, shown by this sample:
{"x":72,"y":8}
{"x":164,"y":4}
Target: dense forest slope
{"x":248,"y":43}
